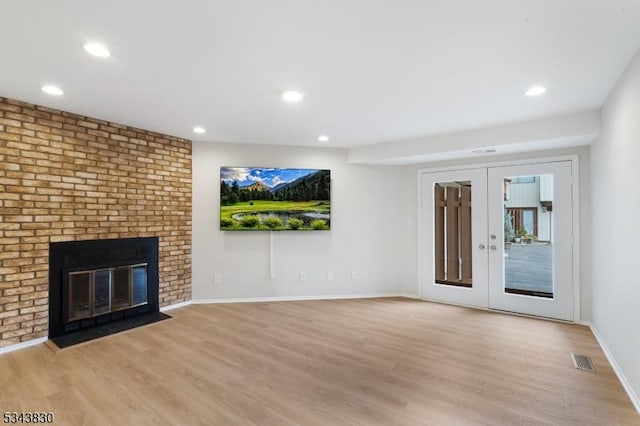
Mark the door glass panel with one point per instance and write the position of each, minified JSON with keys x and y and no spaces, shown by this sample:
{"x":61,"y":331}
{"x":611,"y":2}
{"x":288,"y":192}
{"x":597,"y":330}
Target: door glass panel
{"x":527,"y":221}
{"x":452,"y":231}
{"x":528,"y":235}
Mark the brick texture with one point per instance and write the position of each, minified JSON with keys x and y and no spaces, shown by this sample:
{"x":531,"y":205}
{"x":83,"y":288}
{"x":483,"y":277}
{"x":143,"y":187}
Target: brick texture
{"x":65,"y":177}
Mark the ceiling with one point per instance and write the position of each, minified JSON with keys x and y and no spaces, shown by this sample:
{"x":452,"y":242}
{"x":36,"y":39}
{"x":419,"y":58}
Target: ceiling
{"x":372,"y":71}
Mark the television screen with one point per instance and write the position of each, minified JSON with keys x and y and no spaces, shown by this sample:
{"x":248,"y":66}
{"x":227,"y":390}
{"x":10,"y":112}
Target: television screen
{"x":272,"y":199}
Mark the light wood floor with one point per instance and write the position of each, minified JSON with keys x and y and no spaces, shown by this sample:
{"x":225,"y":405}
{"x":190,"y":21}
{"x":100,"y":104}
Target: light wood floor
{"x":357,"y":362}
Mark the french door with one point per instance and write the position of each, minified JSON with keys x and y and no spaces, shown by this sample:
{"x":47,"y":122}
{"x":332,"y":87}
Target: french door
{"x":499,"y":238}
{"x":455,"y":237}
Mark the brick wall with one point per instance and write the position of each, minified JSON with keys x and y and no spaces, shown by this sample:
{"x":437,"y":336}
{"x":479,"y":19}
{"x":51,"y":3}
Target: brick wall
{"x":66,"y":177}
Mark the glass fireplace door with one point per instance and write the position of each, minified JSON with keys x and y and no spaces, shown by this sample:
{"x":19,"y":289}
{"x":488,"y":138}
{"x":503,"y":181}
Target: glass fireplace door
{"x":101,"y":291}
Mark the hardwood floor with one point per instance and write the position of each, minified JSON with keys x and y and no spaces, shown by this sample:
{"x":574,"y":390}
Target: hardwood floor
{"x":358,"y":362}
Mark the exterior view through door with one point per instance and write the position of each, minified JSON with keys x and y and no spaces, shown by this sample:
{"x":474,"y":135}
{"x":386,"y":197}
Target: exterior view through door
{"x":528,"y":242}
{"x":499,"y":238}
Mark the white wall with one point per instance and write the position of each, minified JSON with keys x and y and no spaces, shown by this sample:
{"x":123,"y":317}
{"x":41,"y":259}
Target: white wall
{"x":367,"y":231}
{"x":523,"y":194}
{"x":615,"y":205}
{"x":374,"y":221}
{"x":410,"y":241}
{"x":546,"y":188}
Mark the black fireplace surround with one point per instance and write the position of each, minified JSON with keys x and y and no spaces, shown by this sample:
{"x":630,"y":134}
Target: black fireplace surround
{"x":93,"y":267}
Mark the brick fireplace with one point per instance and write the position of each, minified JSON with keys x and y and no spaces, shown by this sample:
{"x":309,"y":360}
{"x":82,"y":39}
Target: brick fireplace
{"x":66,"y":177}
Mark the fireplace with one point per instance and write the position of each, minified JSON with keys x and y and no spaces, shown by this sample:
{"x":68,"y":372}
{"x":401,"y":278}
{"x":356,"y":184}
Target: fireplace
{"x":101,"y":285}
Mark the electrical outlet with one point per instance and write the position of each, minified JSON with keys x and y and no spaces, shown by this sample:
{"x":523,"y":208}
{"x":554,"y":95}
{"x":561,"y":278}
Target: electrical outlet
{"x":330,"y":276}
{"x":354,"y":275}
{"x":304,"y":276}
{"x":217,"y":278}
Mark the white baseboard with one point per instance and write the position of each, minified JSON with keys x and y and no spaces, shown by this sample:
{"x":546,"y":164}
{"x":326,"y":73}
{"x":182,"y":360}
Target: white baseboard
{"x":175,"y":306}
{"x":616,"y":368}
{"x":300,"y":298}
{"x":410,"y":296}
{"x":23,"y":345}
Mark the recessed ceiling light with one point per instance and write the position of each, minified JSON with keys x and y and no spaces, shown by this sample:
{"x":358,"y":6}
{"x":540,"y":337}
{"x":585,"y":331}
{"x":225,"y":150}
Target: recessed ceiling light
{"x":199,"y":129}
{"x":323,"y":138}
{"x":97,"y":49}
{"x":292,"y":96}
{"x":536,"y":91}
{"x":52,"y":90}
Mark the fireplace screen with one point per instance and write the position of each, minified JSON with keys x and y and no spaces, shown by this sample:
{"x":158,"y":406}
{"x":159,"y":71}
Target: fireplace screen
{"x":100,"y":291}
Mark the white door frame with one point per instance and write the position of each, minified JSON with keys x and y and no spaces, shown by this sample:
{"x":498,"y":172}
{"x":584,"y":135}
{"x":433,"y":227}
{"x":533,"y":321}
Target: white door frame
{"x":575,"y":193}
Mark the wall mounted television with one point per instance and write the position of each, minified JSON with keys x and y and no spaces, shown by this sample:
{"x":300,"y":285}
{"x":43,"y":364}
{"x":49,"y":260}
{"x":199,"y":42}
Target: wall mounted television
{"x":274,"y":199}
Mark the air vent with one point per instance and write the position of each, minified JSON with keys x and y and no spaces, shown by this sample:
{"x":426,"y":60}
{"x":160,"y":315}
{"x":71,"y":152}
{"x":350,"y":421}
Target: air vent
{"x":583,"y":362}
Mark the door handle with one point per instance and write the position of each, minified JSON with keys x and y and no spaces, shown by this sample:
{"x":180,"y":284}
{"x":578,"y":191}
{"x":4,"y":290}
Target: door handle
{"x":481,"y":246}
